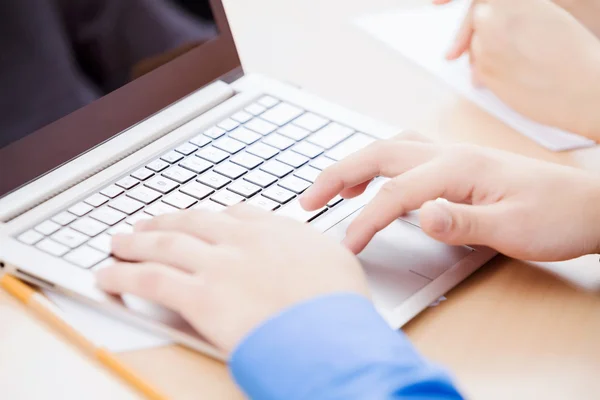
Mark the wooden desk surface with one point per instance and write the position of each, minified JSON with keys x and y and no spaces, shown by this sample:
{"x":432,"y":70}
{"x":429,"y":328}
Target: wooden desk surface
{"x":509,"y":331}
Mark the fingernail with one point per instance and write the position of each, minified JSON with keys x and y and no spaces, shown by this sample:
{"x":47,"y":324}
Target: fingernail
{"x":442,"y":219}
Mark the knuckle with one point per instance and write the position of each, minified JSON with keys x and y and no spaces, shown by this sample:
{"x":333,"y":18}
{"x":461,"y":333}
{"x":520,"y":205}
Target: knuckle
{"x":411,"y":135}
{"x":391,"y":188}
{"x":165,"y":242}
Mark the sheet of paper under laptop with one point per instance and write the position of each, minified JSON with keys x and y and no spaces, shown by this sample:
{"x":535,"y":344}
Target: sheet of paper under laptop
{"x":423,"y":35}
{"x":115,"y":335}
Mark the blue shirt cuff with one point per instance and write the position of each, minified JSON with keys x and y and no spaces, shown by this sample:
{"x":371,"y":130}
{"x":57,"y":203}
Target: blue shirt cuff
{"x":334,"y":347}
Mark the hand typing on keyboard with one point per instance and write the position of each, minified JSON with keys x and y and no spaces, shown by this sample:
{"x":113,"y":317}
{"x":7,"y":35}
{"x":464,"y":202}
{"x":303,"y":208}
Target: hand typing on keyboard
{"x":522,"y":207}
{"x":218,"y":269}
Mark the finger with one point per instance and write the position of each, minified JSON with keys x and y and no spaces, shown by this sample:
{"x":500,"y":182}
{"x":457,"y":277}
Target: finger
{"x":210,"y":227}
{"x":462,"y":41}
{"x":441,"y":2}
{"x":412,"y":136}
{"x":400,"y":195}
{"x":384,"y":158}
{"x":170,"y":248}
{"x":475,"y":80}
{"x":355,"y":191}
{"x":157,"y":283}
{"x":461,"y":224}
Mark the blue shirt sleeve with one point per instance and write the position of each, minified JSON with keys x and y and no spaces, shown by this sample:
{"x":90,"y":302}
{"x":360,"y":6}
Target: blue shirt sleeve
{"x":335,"y":347}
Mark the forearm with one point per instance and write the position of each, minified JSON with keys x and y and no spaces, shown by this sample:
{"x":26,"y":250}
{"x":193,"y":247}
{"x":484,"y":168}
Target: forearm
{"x":335,"y":347}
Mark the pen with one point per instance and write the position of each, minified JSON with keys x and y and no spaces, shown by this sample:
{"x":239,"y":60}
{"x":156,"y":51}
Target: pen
{"x":51,"y":314}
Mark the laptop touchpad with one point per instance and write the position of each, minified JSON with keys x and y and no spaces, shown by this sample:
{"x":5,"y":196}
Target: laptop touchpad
{"x":402,"y":259}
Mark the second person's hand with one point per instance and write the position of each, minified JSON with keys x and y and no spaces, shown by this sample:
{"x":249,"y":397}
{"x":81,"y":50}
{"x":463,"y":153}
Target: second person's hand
{"x":521,"y":207}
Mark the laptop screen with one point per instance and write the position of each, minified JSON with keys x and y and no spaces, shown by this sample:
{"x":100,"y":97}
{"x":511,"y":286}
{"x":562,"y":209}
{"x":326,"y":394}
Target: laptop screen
{"x":74,"y":73}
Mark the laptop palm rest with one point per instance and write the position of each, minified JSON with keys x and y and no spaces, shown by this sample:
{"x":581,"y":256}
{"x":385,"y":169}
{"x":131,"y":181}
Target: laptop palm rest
{"x":401,"y":260}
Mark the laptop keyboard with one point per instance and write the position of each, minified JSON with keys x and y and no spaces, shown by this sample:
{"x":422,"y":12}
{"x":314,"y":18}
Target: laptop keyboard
{"x":266,"y":154}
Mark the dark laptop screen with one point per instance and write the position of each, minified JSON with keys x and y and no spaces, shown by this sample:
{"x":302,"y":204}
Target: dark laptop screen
{"x":73,"y":73}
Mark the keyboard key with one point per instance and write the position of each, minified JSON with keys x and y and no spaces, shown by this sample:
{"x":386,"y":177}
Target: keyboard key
{"x":160,"y":208}
{"x":180,"y":200}
{"x":96,"y":200}
{"x":51,"y":247}
{"x":186,"y":149}
{"x":70,"y":237}
{"x":242,"y":116}
{"x":108,"y":215}
{"x":64,"y":218}
{"x":127,"y":205}
{"x":212,"y":154}
{"x":245,"y":135}
{"x":128,"y":182}
{"x":201,"y":140}
{"x":215,"y":132}
{"x":179,"y":175}
{"x":157,"y":165}
{"x":278,"y":141}
{"x":112,"y":191}
{"x":230,"y":170}
{"x":264,"y":203}
{"x":142,"y":174}
{"x":294,"y":184}
{"x":137,"y":217}
{"x":102,"y":243}
{"x":276,"y":168}
{"x":197,"y":190}
{"x":263,"y":151}
{"x":255,"y":109}
{"x":294,"y":132}
{"x":122,"y":228}
{"x":89,"y":226}
{"x":244,"y":188}
{"x":229,"y":145}
{"x":308,"y":173}
{"x":47,"y":228}
{"x":311,"y":122}
{"x":228,"y":124}
{"x":161,"y":184}
{"x":85,"y":257}
{"x":278,"y":194}
{"x":144,"y":194}
{"x":260,"y":126}
{"x":352,"y":145}
{"x":213,"y":180}
{"x":196,"y":164}
{"x":30,"y":237}
{"x":80,"y":209}
{"x":282,"y":113}
{"x":307,"y":149}
{"x":246,"y":160}
{"x":331,"y":135}
{"x":171,"y":157}
{"x":260,"y":178}
{"x":209,"y":205}
{"x":322,"y":163}
{"x":294,"y":159}
{"x":268,"y":101}
{"x":227,"y":198}
{"x":335,"y":201}
{"x":295,"y":211}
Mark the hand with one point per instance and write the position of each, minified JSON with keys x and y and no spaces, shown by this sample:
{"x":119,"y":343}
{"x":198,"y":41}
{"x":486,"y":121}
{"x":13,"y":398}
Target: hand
{"x":521,"y":207}
{"x":537,"y":58}
{"x":585,"y":11}
{"x":228,"y":272}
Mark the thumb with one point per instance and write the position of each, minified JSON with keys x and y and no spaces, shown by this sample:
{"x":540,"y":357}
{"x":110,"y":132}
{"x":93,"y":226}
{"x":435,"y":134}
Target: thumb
{"x":457,"y":224}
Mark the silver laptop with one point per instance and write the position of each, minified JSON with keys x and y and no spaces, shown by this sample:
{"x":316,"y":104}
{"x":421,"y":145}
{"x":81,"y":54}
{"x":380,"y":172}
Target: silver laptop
{"x":195,"y":132}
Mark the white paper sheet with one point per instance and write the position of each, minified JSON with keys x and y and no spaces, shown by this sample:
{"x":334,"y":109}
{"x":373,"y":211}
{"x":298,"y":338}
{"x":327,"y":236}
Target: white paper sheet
{"x":113,"y":334}
{"x":423,"y":35}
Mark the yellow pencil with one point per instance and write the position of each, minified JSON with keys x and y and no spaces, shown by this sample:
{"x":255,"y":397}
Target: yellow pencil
{"x":51,"y":314}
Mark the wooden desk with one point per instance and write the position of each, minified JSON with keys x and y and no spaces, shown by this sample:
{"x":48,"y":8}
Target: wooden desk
{"x":509,"y":331}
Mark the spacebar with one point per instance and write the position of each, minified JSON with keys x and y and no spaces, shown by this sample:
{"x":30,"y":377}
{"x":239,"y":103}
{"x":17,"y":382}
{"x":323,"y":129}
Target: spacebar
{"x":295,"y":211}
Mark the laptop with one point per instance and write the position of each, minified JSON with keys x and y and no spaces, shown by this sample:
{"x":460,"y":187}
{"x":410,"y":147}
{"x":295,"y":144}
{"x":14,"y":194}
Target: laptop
{"x":193,"y":131}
